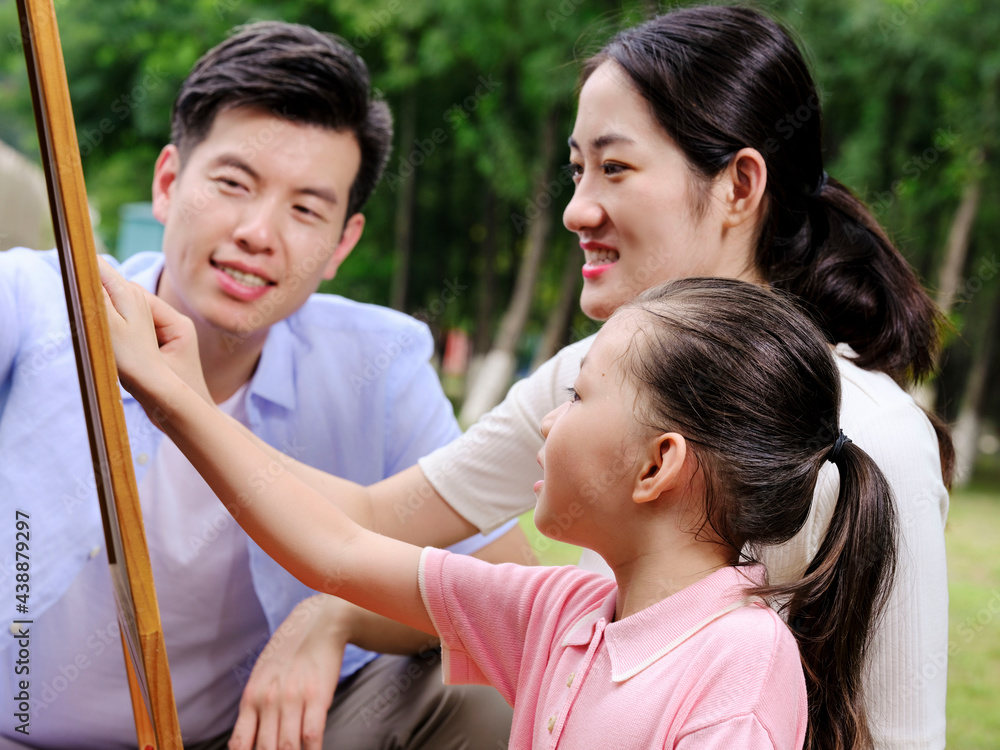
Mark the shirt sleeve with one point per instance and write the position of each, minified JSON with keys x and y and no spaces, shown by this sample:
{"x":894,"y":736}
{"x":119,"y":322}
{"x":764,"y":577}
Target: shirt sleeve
{"x":422,"y":419}
{"x":10,"y":331}
{"x":487,"y":475}
{"x":906,"y":679}
{"x":745,"y":732}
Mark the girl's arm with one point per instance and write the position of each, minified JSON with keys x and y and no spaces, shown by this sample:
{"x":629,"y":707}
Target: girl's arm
{"x":298,"y":527}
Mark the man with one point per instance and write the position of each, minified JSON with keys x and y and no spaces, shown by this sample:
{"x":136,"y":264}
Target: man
{"x":276,"y":145}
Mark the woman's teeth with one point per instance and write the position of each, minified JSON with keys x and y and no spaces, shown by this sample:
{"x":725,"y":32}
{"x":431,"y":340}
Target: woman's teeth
{"x":246,"y":279}
{"x":600,"y":257}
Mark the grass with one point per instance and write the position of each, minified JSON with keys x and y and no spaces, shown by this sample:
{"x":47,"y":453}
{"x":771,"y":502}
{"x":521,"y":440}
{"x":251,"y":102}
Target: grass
{"x":973,"y":541}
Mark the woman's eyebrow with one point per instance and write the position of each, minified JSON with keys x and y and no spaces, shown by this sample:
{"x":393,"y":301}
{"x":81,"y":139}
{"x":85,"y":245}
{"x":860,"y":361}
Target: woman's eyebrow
{"x":602,"y":141}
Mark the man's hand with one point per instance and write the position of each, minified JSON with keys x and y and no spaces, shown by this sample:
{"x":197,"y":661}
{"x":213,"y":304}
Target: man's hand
{"x":145,"y":331}
{"x":291,"y":687}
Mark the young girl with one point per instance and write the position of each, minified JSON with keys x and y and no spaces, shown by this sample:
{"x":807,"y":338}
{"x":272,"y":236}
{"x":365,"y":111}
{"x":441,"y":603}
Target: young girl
{"x":695,"y":433}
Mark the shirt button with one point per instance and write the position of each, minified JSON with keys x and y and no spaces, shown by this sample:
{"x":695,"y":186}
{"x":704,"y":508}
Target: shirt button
{"x":15,"y":629}
{"x":569,"y":682}
{"x":94,"y":551}
{"x":142,"y":459}
{"x":552,"y":723}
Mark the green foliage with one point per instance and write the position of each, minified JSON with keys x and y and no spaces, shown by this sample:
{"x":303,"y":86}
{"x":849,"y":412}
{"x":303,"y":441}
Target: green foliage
{"x":909,"y":90}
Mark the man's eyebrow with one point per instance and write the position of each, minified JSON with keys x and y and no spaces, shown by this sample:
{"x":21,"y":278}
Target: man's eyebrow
{"x":602,"y":141}
{"x":228,"y":160}
{"x":322,"y":193}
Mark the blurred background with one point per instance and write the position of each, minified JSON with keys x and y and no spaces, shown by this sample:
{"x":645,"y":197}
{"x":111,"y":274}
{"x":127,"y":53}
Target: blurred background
{"x":465,"y":229}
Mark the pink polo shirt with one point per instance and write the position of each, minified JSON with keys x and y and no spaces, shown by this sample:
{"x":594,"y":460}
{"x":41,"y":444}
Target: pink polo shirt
{"x":701,"y":669}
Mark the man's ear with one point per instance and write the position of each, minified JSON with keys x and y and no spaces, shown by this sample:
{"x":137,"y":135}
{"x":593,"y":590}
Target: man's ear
{"x":165,"y":174}
{"x":664,"y":467}
{"x":744,"y":186}
{"x":348,"y":239}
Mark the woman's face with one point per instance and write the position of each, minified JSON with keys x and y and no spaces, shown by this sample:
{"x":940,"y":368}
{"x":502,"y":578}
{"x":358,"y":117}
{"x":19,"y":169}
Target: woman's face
{"x":635,"y":207}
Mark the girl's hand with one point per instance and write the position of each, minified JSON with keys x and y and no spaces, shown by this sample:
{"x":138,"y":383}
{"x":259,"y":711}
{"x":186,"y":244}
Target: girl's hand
{"x":146,"y":332}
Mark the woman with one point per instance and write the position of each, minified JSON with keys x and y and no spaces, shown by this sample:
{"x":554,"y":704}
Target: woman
{"x":685,"y":165}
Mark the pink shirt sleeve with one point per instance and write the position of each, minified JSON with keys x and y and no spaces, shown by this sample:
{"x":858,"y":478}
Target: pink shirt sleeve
{"x":494,"y":618}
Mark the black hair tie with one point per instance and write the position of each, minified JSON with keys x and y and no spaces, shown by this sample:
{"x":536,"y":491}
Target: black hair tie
{"x":818,"y":190}
{"x":838,"y":446}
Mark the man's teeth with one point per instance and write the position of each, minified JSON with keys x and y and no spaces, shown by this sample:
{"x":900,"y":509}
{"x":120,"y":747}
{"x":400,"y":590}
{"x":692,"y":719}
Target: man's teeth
{"x":600,"y":257}
{"x":246,"y":279}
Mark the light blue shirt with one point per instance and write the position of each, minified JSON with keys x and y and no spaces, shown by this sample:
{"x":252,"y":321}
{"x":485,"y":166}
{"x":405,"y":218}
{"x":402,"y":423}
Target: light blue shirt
{"x":342,"y":386}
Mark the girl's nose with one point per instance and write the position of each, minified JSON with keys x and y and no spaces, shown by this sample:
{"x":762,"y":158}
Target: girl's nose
{"x":551,"y":418}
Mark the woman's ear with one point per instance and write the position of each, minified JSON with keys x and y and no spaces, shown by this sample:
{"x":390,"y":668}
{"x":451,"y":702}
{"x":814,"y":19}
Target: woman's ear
{"x":664,"y":468}
{"x":743,"y":186}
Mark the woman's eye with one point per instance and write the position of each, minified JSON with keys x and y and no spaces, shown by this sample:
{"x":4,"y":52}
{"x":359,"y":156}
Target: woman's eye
{"x":573,"y":395}
{"x":575,"y":171}
{"x":611,"y":169}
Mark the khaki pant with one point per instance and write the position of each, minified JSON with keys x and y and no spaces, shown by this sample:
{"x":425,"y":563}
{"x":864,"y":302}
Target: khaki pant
{"x":399,"y":702}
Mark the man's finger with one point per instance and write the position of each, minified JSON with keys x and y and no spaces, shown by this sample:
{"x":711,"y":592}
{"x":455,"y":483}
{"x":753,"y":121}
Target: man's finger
{"x":245,"y":730}
{"x":313,"y":725}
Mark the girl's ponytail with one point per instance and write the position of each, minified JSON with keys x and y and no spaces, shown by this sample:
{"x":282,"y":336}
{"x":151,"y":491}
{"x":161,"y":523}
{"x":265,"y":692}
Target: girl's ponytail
{"x":834,"y":607}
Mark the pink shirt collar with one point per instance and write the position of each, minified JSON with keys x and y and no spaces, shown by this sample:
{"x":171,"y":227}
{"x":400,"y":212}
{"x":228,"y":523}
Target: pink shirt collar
{"x":641,"y":639}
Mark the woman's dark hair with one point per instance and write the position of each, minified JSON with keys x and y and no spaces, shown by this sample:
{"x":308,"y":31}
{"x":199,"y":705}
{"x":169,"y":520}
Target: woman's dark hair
{"x":296,"y":73}
{"x":750,"y":384}
{"x":720,"y":79}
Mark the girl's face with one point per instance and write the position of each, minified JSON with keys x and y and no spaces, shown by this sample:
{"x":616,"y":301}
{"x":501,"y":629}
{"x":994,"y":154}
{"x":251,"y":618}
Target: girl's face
{"x":635,"y":204}
{"x":591,"y":444}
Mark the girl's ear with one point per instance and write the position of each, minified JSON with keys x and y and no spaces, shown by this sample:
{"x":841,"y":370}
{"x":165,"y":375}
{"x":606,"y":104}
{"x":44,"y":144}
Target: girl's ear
{"x":664,"y":468}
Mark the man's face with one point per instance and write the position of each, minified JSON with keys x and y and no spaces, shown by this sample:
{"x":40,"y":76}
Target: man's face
{"x":254,"y":220}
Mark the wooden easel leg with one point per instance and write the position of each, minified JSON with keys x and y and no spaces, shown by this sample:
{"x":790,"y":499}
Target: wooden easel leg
{"x":143,"y":725}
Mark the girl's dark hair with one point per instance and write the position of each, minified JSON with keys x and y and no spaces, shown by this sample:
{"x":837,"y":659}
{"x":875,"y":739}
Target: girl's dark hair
{"x":748,"y":381}
{"x":297,"y":73}
{"x":719,"y":79}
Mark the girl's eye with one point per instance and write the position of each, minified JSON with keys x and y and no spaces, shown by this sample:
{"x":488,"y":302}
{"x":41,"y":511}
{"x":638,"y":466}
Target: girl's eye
{"x":575,"y":171}
{"x":573,"y":395}
{"x":611,"y":169}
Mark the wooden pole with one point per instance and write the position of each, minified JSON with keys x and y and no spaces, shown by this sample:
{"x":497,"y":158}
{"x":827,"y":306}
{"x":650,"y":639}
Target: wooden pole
{"x":128,"y":556}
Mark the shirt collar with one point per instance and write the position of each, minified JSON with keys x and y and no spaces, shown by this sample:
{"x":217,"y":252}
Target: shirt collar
{"x":641,"y":639}
{"x":274,"y":378}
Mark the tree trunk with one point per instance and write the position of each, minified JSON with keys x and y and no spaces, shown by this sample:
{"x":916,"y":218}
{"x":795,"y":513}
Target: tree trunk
{"x":486,"y":299}
{"x":967,"y":428}
{"x":497,"y":368}
{"x":958,"y":244}
{"x":404,"y":204}
{"x":558,"y":324}
{"x":956,"y":252}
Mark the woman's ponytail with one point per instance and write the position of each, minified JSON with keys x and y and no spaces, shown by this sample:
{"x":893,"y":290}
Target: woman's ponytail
{"x":828,"y":250}
{"x":833,"y":609}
